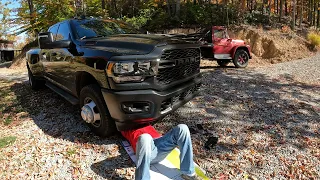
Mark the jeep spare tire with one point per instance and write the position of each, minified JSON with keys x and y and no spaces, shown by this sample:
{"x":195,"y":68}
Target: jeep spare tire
{"x":241,"y":59}
{"x":94,"y":111}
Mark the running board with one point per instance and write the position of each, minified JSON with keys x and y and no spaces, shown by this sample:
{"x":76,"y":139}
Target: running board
{"x":62,"y":93}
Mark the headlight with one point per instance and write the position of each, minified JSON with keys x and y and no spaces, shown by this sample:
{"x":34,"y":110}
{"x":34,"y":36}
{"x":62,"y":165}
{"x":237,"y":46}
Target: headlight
{"x":130,"y":71}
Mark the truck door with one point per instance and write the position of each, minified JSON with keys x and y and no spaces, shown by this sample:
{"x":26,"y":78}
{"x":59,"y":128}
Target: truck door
{"x":207,"y":46}
{"x":222,"y":44}
{"x":45,"y":56}
{"x":62,"y":60}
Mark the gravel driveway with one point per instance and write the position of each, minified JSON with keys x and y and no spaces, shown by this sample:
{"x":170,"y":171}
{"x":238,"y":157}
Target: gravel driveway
{"x":267,"y":119}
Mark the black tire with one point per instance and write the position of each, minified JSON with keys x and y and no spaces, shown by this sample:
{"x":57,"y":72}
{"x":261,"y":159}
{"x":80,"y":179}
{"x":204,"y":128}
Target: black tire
{"x":106,"y":126}
{"x":223,"y":63}
{"x":241,"y":59}
{"x":34,"y":83}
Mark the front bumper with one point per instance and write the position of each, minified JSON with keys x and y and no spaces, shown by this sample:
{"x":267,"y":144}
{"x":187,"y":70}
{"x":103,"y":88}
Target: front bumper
{"x":161,"y":103}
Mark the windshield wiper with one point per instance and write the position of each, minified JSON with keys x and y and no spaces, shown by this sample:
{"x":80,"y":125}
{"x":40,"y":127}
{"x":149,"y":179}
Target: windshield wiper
{"x":85,"y":37}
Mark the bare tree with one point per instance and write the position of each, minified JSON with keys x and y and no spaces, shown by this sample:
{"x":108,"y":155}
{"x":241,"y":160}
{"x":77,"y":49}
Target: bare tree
{"x":281,"y":10}
{"x":177,"y":13}
{"x":103,"y":4}
{"x":301,"y":14}
{"x":294,"y":6}
{"x":31,"y":12}
{"x":169,"y":7}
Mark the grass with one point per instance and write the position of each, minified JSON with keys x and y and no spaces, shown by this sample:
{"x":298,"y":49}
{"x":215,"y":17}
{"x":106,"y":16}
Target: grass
{"x":7,"y":121}
{"x":6,"y":141}
{"x":71,"y":152}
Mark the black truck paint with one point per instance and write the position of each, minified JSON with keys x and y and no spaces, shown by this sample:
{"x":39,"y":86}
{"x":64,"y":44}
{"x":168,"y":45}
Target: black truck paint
{"x":74,"y":66}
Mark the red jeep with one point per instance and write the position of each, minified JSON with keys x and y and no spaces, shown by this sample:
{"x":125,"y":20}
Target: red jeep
{"x":217,"y":45}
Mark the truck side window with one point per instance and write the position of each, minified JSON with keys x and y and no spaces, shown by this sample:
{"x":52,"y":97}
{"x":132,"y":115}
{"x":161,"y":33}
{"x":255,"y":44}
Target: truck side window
{"x":54,"y":30}
{"x":63,"y":32}
{"x":219,"y":34}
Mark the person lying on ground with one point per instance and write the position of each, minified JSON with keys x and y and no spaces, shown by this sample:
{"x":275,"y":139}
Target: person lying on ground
{"x":152,"y":148}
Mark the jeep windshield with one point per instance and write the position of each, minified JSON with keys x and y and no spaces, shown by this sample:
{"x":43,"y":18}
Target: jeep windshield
{"x":86,"y":29}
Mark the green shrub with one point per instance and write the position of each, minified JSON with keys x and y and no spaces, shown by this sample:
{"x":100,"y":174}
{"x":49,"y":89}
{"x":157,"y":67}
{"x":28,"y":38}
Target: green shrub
{"x":314,"y":39}
{"x":139,"y":21}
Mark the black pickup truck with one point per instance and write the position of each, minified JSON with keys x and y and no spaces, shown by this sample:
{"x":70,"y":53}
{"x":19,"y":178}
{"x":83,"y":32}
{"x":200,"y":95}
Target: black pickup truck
{"x":121,"y":78}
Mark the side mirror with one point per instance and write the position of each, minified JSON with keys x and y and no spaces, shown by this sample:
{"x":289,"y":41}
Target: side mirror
{"x":45,"y":40}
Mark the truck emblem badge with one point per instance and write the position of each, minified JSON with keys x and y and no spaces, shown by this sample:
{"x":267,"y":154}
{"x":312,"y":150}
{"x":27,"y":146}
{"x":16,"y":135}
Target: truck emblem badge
{"x":185,"y":61}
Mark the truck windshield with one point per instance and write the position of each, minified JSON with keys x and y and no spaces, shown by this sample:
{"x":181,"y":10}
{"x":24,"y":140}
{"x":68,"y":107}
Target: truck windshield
{"x":101,"y":28}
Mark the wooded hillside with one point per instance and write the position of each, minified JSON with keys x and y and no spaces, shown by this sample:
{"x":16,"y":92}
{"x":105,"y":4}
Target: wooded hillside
{"x":38,"y":15}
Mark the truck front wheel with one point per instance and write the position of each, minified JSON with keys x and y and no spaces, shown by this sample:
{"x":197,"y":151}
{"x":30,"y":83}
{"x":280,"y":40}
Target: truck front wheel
{"x":241,"y":59}
{"x":95,"y":112}
{"x":34,"y":83}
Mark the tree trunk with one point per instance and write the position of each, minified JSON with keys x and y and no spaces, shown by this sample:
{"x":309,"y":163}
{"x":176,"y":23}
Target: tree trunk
{"x":103,"y":4}
{"x":31,"y":10}
{"x":281,"y":10}
{"x":301,"y":14}
{"x":30,"y":4}
{"x":318,"y":18}
{"x":243,"y":5}
{"x":293,"y":23}
{"x":114,"y":4}
{"x":309,"y":11}
{"x":251,"y":8}
{"x":177,"y":13}
{"x":169,"y":8}
{"x":314,"y":12}
{"x":286,"y":7}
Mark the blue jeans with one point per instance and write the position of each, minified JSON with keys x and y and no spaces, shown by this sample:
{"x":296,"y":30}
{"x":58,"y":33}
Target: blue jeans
{"x":149,"y":151}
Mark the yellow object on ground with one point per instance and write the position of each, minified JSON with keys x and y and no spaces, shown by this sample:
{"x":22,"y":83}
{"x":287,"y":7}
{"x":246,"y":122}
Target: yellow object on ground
{"x":168,"y":169}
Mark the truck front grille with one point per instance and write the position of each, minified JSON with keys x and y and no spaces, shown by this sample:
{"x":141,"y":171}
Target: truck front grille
{"x":178,"y":64}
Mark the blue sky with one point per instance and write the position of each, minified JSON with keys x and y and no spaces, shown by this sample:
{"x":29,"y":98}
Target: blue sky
{"x":13,"y":4}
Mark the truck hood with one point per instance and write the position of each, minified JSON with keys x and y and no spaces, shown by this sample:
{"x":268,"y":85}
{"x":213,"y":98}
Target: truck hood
{"x":238,"y":41}
{"x":132,"y":44}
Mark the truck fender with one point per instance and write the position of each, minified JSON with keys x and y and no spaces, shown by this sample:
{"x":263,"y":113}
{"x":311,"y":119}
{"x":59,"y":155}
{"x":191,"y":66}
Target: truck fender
{"x":84,"y":78}
{"x":234,"y":50}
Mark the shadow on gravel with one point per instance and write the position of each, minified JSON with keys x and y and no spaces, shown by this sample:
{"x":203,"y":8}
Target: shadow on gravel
{"x":238,"y":102}
{"x":218,"y":67}
{"x":5,"y":64}
{"x":106,"y":168}
{"x":235,"y":103}
{"x":60,"y":119}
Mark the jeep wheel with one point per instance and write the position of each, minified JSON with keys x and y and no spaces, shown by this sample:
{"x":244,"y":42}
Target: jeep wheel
{"x":95,"y":112}
{"x":223,"y":63}
{"x":34,"y":83}
{"x":241,"y":59}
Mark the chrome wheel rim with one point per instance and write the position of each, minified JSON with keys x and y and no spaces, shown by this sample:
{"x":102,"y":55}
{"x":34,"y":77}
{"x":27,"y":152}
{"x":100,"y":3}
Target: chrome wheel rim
{"x":242,"y":59}
{"x":90,"y":112}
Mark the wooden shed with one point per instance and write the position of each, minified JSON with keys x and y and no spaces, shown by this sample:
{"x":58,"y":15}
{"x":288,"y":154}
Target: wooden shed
{"x":6,"y":50}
